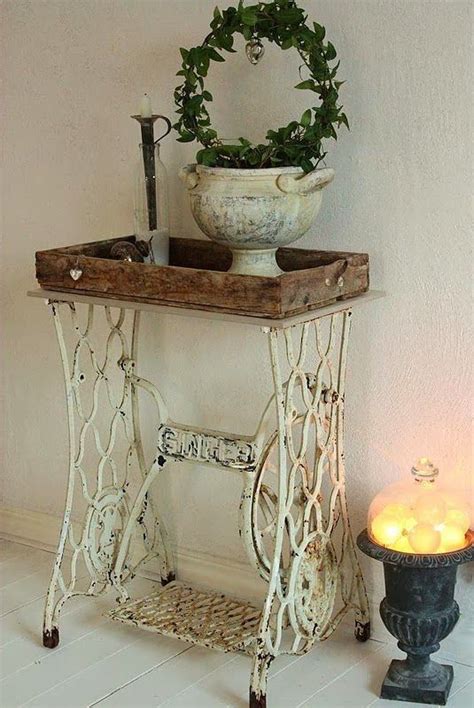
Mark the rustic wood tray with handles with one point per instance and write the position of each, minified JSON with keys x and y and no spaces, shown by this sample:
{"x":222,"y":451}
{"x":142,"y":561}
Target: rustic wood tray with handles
{"x":197,"y":278}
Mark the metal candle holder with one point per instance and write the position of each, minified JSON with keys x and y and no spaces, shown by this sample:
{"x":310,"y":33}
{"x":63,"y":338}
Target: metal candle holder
{"x":419,"y":610}
{"x":148,"y":150}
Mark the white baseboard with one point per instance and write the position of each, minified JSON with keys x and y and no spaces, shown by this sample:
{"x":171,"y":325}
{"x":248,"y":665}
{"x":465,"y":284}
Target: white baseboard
{"x":38,"y":530}
{"x":32,"y":528}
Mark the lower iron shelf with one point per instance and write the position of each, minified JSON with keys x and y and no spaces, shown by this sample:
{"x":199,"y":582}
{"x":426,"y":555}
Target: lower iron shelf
{"x":206,"y":618}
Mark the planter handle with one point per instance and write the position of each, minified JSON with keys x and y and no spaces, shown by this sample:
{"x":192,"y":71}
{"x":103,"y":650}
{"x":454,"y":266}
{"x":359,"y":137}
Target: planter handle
{"x":189,"y":176}
{"x":294,"y":184}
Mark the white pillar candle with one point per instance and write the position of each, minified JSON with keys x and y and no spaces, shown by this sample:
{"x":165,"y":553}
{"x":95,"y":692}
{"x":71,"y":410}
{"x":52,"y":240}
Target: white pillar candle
{"x":145,"y":107}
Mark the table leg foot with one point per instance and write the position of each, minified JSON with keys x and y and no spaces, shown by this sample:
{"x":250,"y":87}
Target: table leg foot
{"x":51,"y":638}
{"x":258,"y":682}
{"x":257,"y":701}
{"x":362,"y":631}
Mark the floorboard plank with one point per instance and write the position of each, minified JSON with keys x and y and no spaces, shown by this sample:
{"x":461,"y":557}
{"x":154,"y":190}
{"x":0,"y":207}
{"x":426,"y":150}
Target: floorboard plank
{"x":360,"y":684}
{"x":228,"y":685}
{"x":23,"y":591}
{"x":58,"y":665}
{"x":100,"y":680}
{"x":24,"y":565}
{"x":80,"y":616}
{"x":158,"y":685}
{"x":463,"y":698}
{"x":326,"y":661}
{"x":27,"y":620}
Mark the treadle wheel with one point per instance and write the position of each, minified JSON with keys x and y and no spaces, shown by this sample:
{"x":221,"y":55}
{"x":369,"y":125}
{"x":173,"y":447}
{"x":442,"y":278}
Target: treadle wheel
{"x":51,"y":638}
{"x":255,"y":702}
{"x":362,"y":631}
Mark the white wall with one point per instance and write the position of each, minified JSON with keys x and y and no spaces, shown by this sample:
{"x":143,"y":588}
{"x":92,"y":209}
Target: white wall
{"x":75,"y":71}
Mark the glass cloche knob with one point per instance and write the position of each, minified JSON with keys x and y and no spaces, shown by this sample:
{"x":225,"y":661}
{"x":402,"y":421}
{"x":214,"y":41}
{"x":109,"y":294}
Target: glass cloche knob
{"x":254,"y":50}
{"x":424,"y":470}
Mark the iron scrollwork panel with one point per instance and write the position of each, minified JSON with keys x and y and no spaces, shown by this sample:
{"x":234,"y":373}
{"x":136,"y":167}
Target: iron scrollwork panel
{"x":106,"y":462}
{"x":294,"y":513}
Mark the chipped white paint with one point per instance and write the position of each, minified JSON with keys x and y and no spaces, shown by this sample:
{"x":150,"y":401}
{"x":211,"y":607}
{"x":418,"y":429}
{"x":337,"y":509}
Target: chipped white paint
{"x":294,"y":520}
{"x":209,"y":619}
{"x":217,"y":448}
{"x":103,"y":540}
{"x":254,"y":212}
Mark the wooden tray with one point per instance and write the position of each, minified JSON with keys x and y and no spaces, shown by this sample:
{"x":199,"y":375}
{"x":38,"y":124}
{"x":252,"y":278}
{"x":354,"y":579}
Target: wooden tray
{"x":197,"y":278}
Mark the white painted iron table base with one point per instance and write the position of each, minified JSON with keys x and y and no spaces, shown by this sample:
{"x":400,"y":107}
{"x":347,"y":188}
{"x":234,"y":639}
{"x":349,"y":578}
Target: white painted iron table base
{"x":294,"y":519}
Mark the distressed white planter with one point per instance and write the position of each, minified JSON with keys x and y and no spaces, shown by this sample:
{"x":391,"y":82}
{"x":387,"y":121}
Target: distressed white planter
{"x":254,"y":212}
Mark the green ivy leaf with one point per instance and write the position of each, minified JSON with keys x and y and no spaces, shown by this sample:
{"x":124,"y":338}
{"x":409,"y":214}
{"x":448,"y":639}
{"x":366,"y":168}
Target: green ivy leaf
{"x":291,"y":15}
{"x":226,"y":41}
{"x":253,"y":158}
{"x":306,"y":118}
{"x":306,"y":164}
{"x":308,"y":84}
{"x":206,"y":156}
{"x":319,"y":32}
{"x":330,"y":52}
{"x":185,"y":137}
{"x":203,"y":66}
{"x":215,"y":55}
{"x":249,"y":16}
{"x":343,"y":119}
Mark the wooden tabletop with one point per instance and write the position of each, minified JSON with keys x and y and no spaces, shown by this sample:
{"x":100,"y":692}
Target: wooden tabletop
{"x":283,"y":323}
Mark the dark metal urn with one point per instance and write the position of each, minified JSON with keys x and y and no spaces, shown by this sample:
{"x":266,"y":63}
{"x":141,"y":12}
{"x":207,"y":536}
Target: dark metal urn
{"x":419,"y":610}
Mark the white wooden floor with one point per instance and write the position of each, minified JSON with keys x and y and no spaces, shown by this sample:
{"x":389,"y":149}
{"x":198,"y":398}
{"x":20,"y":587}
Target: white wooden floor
{"x":103,"y":663}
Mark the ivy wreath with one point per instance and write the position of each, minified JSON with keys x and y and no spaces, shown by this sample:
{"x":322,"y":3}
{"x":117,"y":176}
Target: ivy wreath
{"x":300,"y":143}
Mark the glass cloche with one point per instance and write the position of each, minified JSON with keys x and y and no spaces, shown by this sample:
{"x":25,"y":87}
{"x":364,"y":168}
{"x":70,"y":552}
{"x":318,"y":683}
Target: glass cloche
{"x":421,"y":514}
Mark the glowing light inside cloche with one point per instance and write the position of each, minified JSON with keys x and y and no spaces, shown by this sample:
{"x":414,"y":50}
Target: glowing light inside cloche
{"x":420,"y":515}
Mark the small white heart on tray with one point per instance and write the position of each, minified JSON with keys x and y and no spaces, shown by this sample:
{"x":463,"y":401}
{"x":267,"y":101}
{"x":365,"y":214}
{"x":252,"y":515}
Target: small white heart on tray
{"x":75,"y":273}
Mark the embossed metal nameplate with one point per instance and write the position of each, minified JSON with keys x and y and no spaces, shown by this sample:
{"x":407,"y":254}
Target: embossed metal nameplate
{"x":206,"y":447}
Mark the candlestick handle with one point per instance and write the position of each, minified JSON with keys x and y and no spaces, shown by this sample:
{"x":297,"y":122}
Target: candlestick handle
{"x":168,"y":128}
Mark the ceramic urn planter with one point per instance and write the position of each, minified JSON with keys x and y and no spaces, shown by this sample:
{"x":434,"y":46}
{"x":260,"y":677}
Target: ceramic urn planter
{"x":254,"y":212}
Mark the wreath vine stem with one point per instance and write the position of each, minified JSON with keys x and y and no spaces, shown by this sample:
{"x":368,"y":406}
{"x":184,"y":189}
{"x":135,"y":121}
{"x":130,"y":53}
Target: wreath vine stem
{"x":300,"y":143}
